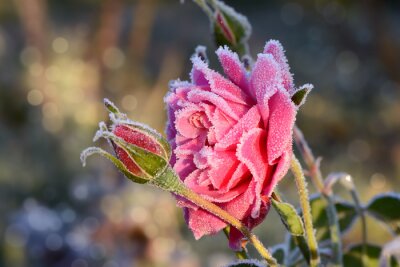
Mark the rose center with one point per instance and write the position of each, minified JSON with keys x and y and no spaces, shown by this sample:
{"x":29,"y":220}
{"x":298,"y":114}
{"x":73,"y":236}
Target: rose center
{"x":199,"y":120}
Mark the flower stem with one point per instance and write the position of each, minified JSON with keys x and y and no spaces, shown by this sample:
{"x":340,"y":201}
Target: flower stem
{"x":305,"y":206}
{"x":318,"y":181}
{"x":169,"y":181}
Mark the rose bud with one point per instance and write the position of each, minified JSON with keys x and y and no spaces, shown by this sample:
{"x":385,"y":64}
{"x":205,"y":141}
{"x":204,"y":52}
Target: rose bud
{"x":141,"y":153}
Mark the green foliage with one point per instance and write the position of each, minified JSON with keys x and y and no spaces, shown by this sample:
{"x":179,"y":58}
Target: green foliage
{"x":300,"y":95}
{"x":354,"y":258}
{"x":346,"y":213}
{"x":386,"y":208}
{"x":289,"y":217}
{"x":278,"y":252}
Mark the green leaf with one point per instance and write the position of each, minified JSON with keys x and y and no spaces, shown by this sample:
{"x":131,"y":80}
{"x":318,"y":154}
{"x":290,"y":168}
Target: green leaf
{"x":386,"y":208}
{"x":353,"y":256}
{"x":346,"y":213}
{"x":246,"y":263}
{"x":120,"y":166}
{"x":289,"y":217}
{"x":300,"y":95}
{"x":278,"y":252}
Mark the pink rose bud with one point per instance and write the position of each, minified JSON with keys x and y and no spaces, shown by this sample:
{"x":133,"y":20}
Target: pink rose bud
{"x":232,"y":135}
{"x":141,"y":152}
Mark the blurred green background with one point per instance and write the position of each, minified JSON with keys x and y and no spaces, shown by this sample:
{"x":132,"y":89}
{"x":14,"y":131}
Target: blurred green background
{"x":58,"y":59}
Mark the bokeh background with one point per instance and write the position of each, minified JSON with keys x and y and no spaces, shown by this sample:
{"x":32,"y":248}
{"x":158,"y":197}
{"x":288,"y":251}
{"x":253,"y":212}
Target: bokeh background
{"x":58,"y":59}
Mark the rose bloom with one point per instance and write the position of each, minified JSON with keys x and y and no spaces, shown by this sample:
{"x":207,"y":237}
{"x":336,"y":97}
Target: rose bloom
{"x":232,"y":136}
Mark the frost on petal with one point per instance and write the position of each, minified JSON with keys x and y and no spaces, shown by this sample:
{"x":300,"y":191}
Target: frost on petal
{"x":198,"y":96}
{"x":139,"y":138}
{"x":203,"y":223}
{"x":199,"y":70}
{"x":265,"y":78}
{"x":184,"y":166}
{"x":226,"y":89}
{"x":280,"y":171}
{"x":275,"y":48}
{"x":184,"y":123}
{"x":188,"y":146}
{"x":249,"y":121}
{"x":233,"y":68}
{"x":196,"y":182}
{"x":221,"y":124}
{"x":241,"y":173}
{"x":252,"y":151}
{"x":223,"y":165}
{"x":281,"y":121}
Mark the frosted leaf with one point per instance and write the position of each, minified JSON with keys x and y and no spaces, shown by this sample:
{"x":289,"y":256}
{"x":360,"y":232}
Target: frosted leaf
{"x":391,"y":249}
{"x":201,"y":52}
{"x":88,"y":152}
{"x":299,"y":96}
{"x":246,"y":263}
{"x":111,"y":106}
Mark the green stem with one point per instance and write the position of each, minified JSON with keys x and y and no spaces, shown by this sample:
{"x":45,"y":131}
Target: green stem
{"x":360,"y":212}
{"x":318,"y":181}
{"x":203,"y":5}
{"x":169,"y":181}
{"x":305,"y":207}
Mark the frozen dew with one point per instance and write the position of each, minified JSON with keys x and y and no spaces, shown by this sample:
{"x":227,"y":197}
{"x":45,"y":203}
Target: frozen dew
{"x":378,"y":181}
{"x":60,"y":45}
{"x":54,"y":242}
{"x":292,"y":14}
{"x":35,"y":97}
{"x":129,"y":102}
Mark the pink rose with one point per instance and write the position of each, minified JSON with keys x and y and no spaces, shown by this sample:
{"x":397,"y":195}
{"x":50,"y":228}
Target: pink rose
{"x":232,"y":136}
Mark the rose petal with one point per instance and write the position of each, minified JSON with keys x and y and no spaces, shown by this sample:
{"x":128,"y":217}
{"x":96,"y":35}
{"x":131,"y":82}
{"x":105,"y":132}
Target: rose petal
{"x":265,"y":78}
{"x":280,"y":171}
{"x":233,"y":68}
{"x":275,"y":48}
{"x":195,"y":181}
{"x":203,"y":223}
{"x":281,"y":121}
{"x":252,"y":152}
{"x":249,"y":121}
